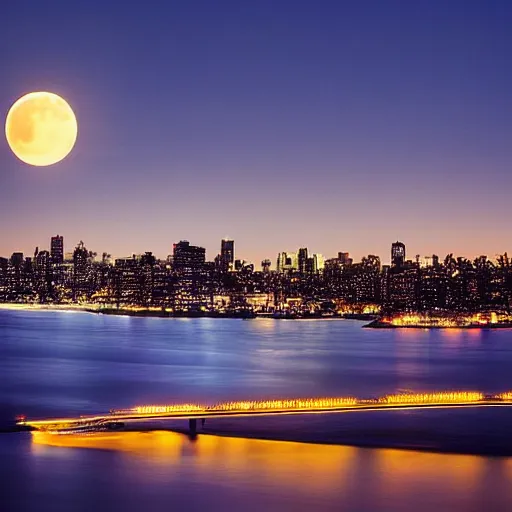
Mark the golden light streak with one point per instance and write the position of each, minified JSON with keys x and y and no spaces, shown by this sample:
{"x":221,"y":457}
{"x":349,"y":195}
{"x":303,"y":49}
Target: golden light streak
{"x":486,"y":319}
{"x":272,"y":407}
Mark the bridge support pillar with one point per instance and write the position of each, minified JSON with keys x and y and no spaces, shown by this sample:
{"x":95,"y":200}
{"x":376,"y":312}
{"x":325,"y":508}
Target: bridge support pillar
{"x":192,"y":427}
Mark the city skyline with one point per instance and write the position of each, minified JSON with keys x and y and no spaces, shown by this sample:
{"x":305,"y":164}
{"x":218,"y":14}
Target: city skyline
{"x":350,"y":123}
{"x":212,"y":253}
{"x":449,"y":291}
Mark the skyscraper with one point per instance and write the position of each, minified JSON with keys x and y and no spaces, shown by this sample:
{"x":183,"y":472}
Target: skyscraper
{"x":43,"y":276}
{"x":397,"y":254}
{"x":287,"y":261}
{"x":57,"y":249}
{"x":344,"y":258}
{"x":189,"y":266}
{"x":17,"y":259}
{"x":188,"y":258}
{"x":318,"y":262}
{"x":227,"y":254}
{"x":80,"y":272}
{"x":265,"y":266}
{"x":133,"y":283}
{"x":302,"y":259}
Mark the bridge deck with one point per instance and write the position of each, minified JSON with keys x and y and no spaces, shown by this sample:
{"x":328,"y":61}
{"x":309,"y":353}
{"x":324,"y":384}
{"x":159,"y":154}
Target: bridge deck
{"x":308,"y":406}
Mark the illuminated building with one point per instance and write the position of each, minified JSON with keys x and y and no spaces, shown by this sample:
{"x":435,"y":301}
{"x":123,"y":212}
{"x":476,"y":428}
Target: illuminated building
{"x":190,"y":276}
{"x":384,"y":282}
{"x":432,"y":292}
{"x":188,"y":258}
{"x":265,"y":266}
{"x":15,"y":274}
{"x":147,"y":266}
{"x":318,"y":262}
{"x":344,"y":258}
{"x":402,"y":288}
{"x":161,"y":277}
{"x":4,"y":265}
{"x":127,"y":282}
{"x":314,"y":264}
{"x":81,"y":273}
{"x":357,"y":282}
{"x":287,"y":262}
{"x":57,"y":249}
{"x":302,"y":260}
{"x":43,"y":276}
{"x":397,"y":254}
{"x":140,"y":280}
{"x":227,"y":254}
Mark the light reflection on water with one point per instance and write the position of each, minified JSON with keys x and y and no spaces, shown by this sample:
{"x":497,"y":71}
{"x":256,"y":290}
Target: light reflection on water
{"x":299,"y":475}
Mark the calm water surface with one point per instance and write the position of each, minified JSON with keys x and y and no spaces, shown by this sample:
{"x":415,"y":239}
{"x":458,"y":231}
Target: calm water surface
{"x":54,"y":363}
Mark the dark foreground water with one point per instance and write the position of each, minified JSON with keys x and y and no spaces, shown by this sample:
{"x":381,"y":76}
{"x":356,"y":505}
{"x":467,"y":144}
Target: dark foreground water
{"x":55,"y":363}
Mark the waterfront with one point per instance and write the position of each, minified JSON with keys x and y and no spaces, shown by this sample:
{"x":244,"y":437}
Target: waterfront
{"x":55,"y":363}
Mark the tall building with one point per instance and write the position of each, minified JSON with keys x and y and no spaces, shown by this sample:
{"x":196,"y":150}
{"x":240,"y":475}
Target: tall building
{"x":57,"y":249}
{"x":43,"y":276}
{"x":17,"y":259}
{"x":43,"y":260}
{"x":402,"y":288}
{"x":318,"y":262}
{"x":397,"y":254}
{"x":127,"y":281}
{"x":4,"y":288}
{"x":227,"y":254}
{"x":287,"y":261}
{"x":147,"y":278}
{"x":81,"y":284}
{"x":344,"y":258}
{"x":190,"y":275}
{"x":15,"y":276}
{"x":265,"y":266}
{"x":302,"y":259}
{"x":188,"y":258}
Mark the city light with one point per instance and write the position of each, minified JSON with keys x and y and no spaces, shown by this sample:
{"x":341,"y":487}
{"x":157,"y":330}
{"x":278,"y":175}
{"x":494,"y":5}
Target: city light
{"x":433,"y":398}
{"x":491,"y":318}
{"x":425,"y":293}
{"x":273,"y":406}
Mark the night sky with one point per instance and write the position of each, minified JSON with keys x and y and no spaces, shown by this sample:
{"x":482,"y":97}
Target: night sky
{"x":340,"y":126}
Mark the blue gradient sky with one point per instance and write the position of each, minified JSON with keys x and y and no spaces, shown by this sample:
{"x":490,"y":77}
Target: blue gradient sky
{"x":332,"y":125}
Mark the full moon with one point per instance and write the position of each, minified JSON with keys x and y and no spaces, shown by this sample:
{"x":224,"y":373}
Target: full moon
{"x":41,"y":128}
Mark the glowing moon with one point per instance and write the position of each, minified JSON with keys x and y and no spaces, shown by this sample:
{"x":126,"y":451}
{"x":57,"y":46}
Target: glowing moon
{"x":41,"y":128}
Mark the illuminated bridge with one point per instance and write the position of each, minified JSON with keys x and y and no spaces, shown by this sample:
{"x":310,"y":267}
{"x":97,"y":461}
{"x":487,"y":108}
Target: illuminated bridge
{"x":194,"y":412}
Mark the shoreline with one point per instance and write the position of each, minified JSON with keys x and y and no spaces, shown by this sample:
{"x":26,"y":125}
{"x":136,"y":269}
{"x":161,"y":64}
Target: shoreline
{"x":144,"y":313}
{"x":49,"y":307}
{"x":376,"y":324}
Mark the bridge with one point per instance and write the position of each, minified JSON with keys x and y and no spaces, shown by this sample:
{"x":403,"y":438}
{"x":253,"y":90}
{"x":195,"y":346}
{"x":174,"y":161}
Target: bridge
{"x":195,"y":412}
